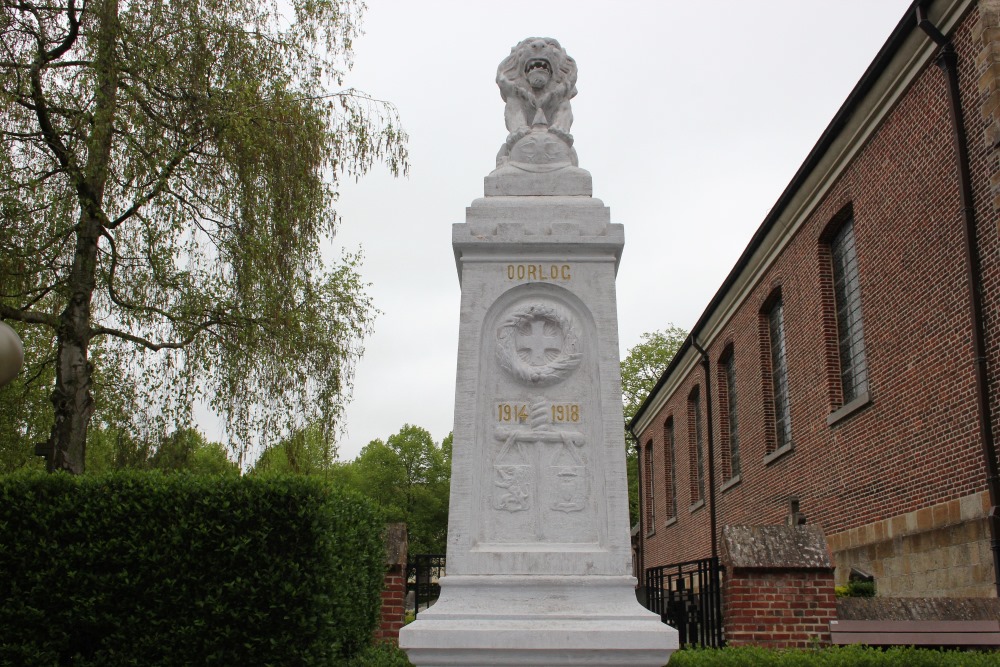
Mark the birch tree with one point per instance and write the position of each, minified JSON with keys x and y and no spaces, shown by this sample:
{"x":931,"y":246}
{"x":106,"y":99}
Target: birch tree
{"x":168,"y":174}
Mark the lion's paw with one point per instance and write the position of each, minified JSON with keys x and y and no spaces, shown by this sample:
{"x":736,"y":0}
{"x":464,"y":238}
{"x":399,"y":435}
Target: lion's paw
{"x":565,"y":136}
{"x":517,"y":135}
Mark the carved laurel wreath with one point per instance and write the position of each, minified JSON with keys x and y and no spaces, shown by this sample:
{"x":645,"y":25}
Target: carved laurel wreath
{"x":555,"y":369}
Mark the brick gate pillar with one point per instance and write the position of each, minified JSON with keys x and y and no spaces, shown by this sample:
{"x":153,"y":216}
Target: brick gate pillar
{"x":394,"y":588}
{"x":778,"y":586}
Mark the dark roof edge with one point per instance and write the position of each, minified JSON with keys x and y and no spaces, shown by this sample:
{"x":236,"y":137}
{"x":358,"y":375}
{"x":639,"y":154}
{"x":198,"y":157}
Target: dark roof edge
{"x":904,"y":27}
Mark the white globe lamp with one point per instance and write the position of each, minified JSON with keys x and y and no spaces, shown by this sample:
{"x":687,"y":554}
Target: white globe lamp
{"x":11,"y":354}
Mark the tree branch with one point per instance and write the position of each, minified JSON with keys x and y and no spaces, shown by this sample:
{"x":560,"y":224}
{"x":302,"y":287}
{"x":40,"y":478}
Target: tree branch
{"x":149,"y":345}
{"x":41,"y":110}
{"x":30,"y":317}
{"x":113,"y":293}
{"x":155,"y":191}
{"x":70,"y":39}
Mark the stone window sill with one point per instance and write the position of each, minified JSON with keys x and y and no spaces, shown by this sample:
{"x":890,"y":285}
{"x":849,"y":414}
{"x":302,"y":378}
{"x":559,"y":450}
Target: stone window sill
{"x":671,"y":521}
{"x":848,"y":409}
{"x":696,"y":506}
{"x":777,"y":454}
{"x":650,"y":533}
{"x":731,"y":482}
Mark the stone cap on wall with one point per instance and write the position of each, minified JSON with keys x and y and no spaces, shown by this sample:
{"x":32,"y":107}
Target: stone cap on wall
{"x":397,"y":545}
{"x":772,"y":547}
{"x":918,"y":609}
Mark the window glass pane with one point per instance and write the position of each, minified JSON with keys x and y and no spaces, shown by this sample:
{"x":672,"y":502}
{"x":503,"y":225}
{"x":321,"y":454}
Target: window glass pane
{"x":779,"y":376}
{"x":699,"y":449}
{"x":671,"y":477}
{"x":850,"y":327}
{"x":648,"y":488}
{"x":734,"y":432}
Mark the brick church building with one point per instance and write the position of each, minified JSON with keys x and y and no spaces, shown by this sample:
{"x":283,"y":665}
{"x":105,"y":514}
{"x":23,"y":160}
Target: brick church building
{"x":847,"y":372}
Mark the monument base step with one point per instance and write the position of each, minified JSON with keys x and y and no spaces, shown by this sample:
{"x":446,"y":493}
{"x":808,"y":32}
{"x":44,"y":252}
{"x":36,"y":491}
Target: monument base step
{"x":538,"y":621}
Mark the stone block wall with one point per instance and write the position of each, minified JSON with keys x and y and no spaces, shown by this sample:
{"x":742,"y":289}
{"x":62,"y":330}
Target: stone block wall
{"x":942,"y":550}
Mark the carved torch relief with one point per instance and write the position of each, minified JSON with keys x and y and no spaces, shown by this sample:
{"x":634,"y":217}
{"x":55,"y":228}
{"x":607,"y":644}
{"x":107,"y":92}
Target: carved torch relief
{"x":539,"y":475}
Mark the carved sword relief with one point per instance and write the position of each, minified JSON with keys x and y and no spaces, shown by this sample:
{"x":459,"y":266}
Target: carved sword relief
{"x":516,"y":469}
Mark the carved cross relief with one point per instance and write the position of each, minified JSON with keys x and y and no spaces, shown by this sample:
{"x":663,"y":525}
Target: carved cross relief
{"x":538,"y":342}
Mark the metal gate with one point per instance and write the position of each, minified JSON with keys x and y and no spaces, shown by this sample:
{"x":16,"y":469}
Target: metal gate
{"x":688,"y":597}
{"x":422,"y":574}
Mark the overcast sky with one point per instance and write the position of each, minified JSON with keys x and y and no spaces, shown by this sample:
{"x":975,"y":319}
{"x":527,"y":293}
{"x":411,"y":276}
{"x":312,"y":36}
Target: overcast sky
{"x":691,"y":116}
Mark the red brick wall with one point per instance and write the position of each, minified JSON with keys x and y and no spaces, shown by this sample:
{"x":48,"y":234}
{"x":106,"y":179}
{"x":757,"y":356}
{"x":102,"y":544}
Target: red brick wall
{"x":393,"y":605}
{"x":917,"y":443}
{"x":981,"y":102}
{"x":778,"y":608}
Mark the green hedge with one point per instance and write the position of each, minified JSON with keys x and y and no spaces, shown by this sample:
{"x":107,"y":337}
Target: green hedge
{"x":381,"y":655}
{"x":150,"y":569}
{"x":846,"y":656}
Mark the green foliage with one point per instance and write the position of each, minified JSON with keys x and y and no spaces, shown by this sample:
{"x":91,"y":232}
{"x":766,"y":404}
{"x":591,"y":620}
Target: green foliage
{"x":308,"y":451}
{"x":115,"y":449}
{"x":168,"y":175}
{"x":856,"y":589}
{"x":152,"y":569}
{"x":184,"y":450}
{"x":837,"y":656}
{"x":641,"y":368}
{"x":409,"y":477}
{"x":386,"y":655}
{"x":187,"y":450}
{"x":381,"y":655}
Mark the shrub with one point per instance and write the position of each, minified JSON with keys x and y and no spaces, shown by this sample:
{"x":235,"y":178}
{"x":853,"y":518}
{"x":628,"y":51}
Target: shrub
{"x":837,"y":656}
{"x":381,"y":655}
{"x":152,"y":569}
{"x":856,"y":589}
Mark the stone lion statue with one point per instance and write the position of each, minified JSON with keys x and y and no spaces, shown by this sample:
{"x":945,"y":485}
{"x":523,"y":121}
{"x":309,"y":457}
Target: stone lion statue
{"x":537,"y":81}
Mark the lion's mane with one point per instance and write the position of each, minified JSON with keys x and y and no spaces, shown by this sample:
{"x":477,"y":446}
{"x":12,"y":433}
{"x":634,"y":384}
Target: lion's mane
{"x":523,"y":100}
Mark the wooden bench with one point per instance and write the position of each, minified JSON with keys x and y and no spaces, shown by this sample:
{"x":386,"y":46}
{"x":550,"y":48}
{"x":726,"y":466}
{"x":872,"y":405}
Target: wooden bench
{"x":916,"y":633}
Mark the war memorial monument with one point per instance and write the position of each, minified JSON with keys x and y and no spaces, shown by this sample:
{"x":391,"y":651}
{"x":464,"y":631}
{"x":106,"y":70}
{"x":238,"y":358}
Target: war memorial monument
{"x":539,"y":567}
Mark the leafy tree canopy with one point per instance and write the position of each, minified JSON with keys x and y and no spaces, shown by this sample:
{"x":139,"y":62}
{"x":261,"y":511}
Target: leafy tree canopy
{"x":308,"y":451}
{"x":409,"y":476}
{"x":645,"y":363}
{"x":641,"y":368}
{"x":168,"y":171}
{"x":184,"y":450}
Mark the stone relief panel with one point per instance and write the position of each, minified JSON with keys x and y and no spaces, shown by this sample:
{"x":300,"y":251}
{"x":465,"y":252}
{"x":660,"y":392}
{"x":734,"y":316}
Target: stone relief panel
{"x":540,"y":422}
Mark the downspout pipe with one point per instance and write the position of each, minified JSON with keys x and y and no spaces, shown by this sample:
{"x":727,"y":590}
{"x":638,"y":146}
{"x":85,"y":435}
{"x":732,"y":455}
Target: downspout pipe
{"x":948,"y":61}
{"x":641,"y":556}
{"x":707,"y":366}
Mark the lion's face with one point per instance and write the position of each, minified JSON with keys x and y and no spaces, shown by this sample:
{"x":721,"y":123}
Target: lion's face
{"x":539,"y":60}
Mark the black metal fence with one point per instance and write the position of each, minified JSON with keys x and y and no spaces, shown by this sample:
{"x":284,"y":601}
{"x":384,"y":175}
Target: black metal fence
{"x":422,"y":574}
{"x":688,"y":597}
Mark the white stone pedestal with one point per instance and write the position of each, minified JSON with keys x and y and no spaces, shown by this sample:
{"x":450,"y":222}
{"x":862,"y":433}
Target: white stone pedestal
{"x":539,"y":567}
